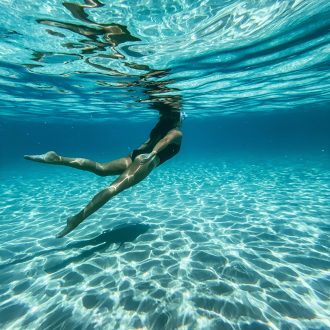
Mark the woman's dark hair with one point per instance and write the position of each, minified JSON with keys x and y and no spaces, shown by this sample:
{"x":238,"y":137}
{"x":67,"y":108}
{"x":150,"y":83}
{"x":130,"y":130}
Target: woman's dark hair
{"x":167,"y":121}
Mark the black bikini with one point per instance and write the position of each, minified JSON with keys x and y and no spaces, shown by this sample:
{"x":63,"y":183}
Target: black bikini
{"x":155,"y":136}
{"x":164,"y":155}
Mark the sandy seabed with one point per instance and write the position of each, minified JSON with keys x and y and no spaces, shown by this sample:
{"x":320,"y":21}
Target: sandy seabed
{"x":200,"y":245}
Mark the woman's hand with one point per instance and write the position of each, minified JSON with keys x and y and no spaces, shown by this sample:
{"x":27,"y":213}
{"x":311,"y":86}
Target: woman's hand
{"x":147,"y":157}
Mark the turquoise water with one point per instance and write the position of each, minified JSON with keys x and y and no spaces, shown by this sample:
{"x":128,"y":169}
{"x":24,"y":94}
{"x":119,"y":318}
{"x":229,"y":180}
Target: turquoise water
{"x":233,"y":232}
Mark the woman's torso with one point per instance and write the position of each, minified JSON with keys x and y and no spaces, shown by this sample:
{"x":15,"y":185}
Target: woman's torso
{"x":168,"y":152}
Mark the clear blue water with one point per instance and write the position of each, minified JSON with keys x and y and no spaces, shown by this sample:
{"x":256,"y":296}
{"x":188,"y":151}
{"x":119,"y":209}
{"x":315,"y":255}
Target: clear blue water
{"x":233,"y":232}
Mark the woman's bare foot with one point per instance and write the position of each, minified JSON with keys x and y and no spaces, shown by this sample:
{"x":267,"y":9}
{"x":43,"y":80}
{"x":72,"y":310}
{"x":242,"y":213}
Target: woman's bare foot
{"x":71,"y":224}
{"x":50,"y":157}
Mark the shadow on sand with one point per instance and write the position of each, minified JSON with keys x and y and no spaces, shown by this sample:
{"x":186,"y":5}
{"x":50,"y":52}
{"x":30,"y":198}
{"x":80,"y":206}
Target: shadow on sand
{"x":121,"y":234}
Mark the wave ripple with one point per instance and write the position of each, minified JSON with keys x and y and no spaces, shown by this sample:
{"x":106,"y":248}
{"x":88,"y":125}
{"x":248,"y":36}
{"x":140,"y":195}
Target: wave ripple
{"x":221,"y":57}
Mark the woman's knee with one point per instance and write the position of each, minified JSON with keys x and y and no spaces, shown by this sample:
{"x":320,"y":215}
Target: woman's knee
{"x":115,"y":167}
{"x":106,"y":170}
{"x":101,"y":173}
{"x":101,"y":170}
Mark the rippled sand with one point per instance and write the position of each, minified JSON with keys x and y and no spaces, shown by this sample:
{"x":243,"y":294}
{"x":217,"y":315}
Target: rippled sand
{"x":228,"y":246}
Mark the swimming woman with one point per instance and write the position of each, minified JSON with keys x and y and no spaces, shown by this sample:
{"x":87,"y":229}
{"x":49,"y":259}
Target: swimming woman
{"x":164,"y":142}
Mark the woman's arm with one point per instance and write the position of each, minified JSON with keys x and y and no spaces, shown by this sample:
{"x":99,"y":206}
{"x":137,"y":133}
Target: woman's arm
{"x":174,"y":136}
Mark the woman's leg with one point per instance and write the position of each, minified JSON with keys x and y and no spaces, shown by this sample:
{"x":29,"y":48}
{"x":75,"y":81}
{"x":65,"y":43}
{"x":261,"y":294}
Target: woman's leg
{"x":135,"y":173}
{"x":114,"y":167}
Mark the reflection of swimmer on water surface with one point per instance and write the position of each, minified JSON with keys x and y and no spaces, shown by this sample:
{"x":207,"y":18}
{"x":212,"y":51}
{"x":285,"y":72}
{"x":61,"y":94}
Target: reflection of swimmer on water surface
{"x":164,"y":142}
